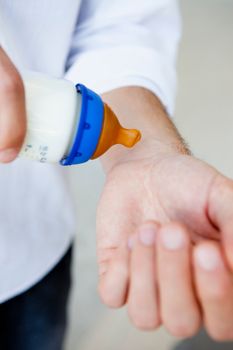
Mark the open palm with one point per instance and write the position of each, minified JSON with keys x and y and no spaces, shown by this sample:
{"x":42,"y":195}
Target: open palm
{"x":174,"y":188}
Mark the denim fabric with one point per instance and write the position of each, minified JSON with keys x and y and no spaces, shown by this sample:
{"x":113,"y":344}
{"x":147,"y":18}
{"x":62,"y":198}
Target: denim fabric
{"x":202,"y":341}
{"x":36,"y":319}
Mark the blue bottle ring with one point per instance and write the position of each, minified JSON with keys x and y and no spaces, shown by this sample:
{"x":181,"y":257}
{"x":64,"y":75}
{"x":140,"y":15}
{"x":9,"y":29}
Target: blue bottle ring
{"x":88,"y":129}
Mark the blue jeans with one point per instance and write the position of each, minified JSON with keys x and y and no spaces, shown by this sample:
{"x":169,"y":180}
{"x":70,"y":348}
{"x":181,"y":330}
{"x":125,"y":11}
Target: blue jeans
{"x":202,"y":341}
{"x":36,"y":319}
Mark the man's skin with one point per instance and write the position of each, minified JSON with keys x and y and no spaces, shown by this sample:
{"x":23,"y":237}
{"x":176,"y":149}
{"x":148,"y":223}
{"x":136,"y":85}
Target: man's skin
{"x":164,"y":221}
{"x":12,"y":110}
{"x":158,"y":189}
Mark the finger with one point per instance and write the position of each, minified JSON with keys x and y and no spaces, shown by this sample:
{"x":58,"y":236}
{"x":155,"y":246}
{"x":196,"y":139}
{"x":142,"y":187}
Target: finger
{"x":116,"y":221}
{"x":142,"y":297}
{"x":179,"y":308}
{"x":220,"y":212}
{"x":113,"y":280}
{"x":12,"y":110}
{"x":215,"y":290}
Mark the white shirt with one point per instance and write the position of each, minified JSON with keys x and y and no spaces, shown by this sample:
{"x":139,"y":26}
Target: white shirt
{"x":104,"y":44}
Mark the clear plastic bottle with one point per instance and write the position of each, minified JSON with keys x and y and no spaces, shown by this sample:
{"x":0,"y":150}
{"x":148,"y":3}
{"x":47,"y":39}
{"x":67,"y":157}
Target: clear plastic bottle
{"x":67,"y":123}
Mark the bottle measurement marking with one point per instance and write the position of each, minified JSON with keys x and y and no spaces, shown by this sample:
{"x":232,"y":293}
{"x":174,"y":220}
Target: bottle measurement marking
{"x":39,"y":153}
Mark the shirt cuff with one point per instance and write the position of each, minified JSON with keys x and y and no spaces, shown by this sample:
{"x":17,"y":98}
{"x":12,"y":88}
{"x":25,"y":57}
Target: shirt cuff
{"x":107,"y":69}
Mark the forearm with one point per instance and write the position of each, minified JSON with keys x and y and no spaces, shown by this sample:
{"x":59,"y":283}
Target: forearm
{"x":138,"y":108}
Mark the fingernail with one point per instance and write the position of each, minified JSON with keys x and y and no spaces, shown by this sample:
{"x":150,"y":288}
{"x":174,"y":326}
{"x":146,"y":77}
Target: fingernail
{"x":208,"y":258}
{"x":8,"y":155}
{"x":147,"y":236}
{"x":172,"y":239}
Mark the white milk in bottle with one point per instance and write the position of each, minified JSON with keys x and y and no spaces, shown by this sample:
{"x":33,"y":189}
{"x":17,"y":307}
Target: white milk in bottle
{"x":67,"y":123}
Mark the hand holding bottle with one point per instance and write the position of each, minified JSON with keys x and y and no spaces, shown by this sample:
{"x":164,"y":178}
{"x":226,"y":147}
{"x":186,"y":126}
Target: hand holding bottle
{"x":12,"y":110}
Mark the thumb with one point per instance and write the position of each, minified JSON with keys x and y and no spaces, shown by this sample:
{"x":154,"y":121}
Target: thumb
{"x":12,"y":110}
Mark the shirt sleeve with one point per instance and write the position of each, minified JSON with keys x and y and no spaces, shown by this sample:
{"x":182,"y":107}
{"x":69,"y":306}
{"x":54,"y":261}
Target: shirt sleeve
{"x":127,"y":43}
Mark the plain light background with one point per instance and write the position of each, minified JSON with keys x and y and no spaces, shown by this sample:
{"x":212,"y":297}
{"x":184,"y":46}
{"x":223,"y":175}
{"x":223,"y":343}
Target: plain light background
{"x":204,"y":115}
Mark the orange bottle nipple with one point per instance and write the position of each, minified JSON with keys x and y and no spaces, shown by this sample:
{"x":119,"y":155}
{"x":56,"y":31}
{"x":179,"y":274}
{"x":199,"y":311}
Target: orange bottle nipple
{"x":113,"y":133}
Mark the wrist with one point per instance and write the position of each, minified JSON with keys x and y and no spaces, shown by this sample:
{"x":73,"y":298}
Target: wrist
{"x":148,"y":148}
{"x":138,"y":108}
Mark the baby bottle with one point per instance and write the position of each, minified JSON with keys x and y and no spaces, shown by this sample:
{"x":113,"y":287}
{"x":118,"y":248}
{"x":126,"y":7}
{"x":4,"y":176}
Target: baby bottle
{"x":68,"y":124}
